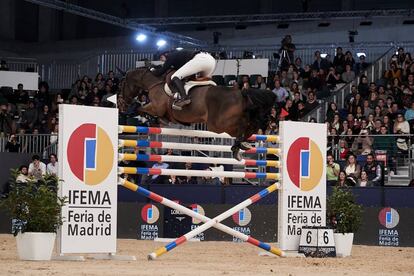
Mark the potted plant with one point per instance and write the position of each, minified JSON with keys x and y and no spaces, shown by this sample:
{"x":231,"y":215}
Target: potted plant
{"x":36,"y":212}
{"x":345,"y":217}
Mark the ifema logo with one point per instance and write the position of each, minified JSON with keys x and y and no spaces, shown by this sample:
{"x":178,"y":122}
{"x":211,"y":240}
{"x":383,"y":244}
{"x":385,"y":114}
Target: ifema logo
{"x":305,"y":163}
{"x":242,"y":217}
{"x":197,"y":209}
{"x":150,"y":213}
{"x":389,"y":217}
{"x":90,"y":154}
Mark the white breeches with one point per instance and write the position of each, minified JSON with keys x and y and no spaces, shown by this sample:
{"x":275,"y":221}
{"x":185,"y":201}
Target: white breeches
{"x":202,"y":63}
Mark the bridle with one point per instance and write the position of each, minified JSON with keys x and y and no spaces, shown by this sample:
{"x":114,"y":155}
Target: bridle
{"x":153,"y":85}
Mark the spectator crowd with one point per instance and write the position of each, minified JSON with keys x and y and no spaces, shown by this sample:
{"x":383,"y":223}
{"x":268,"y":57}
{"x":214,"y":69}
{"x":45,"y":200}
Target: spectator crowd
{"x":357,"y":131}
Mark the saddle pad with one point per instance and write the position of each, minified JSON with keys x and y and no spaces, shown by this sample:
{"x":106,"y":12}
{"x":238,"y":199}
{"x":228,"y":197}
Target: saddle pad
{"x":188,"y":85}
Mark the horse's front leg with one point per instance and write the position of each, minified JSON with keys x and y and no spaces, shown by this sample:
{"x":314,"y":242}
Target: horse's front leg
{"x":240,"y":144}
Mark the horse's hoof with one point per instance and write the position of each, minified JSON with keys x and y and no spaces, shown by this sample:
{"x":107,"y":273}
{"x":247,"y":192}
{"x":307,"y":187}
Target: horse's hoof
{"x":245,"y":146}
{"x":236,"y":153}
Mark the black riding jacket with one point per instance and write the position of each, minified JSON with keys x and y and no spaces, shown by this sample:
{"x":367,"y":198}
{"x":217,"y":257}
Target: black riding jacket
{"x":175,"y":60}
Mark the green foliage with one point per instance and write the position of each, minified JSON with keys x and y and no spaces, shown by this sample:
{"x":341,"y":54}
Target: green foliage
{"x":343,"y":213}
{"x":34,"y":205}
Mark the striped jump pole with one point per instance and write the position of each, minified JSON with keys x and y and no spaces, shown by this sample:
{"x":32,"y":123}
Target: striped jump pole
{"x":201,"y":173}
{"x":214,"y":222}
{"x":197,"y":159}
{"x":190,"y":133}
{"x":169,"y":203}
{"x":186,"y":146}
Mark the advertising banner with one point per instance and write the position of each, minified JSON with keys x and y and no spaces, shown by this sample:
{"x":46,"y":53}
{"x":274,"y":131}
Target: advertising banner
{"x":302,"y":198}
{"x":88,"y":138}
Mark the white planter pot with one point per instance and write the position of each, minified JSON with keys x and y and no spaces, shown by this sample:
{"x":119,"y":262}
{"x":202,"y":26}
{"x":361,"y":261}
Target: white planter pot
{"x":33,"y":246}
{"x":343,"y":243}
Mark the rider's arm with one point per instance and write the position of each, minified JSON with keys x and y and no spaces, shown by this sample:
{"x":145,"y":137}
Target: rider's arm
{"x":159,"y":71}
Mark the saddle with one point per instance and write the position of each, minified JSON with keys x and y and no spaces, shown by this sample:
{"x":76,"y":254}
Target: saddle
{"x":189,"y":83}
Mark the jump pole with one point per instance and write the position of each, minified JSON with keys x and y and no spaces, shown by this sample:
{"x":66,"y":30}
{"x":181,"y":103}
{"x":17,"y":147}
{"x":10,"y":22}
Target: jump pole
{"x":215,"y":221}
{"x":197,"y":159}
{"x":201,"y":173}
{"x":187,"y":146}
{"x":169,"y":203}
{"x":191,"y":133}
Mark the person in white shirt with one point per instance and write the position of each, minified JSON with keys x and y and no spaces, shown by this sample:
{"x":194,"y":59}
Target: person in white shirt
{"x":37,"y":168}
{"x":23,"y":176}
{"x":52,"y":167}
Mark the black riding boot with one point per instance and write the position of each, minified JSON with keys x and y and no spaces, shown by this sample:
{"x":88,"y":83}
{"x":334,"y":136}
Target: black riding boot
{"x":184,"y":99}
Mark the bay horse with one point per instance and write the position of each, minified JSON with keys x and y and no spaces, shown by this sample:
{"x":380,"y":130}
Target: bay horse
{"x":239,"y":113}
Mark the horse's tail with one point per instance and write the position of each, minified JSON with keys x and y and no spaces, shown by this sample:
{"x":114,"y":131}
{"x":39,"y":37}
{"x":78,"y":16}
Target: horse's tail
{"x":258,"y":105}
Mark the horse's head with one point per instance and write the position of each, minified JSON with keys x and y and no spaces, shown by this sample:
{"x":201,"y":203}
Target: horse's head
{"x":134,"y":81}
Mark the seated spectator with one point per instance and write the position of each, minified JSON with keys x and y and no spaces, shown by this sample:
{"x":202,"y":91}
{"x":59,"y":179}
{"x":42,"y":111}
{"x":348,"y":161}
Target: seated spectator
{"x":355,"y":102}
{"x":362,"y":65}
{"x":377,"y":128}
{"x":332,"y":110}
{"x":344,"y":127}
{"x":314,"y":81}
{"x":7,"y":125}
{"x":37,"y":169}
{"x":290,"y":114}
{"x":339,"y":60}
{"x":297,"y":79}
{"x":363,"y":143}
{"x":341,"y":182}
{"x":43,"y":120}
{"x":52,"y":167}
{"x":333,"y":139}
{"x":364,"y":181}
{"x":12,"y":144}
{"x":367,"y":109}
{"x":349,"y":59}
{"x":23,"y":175}
{"x":352,"y":168}
{"x":187,"y":179}
{"x":311,"y":103}
{"x":348,"y":75}
{"x":409,"y":114}
{"x":373,"y":170}
{"x":343,"y":149}
{"x":301,"y":110}
{"x":382,"y":93}
{"x":363,"y":87}
{"x":332,"y":78}
{"x":393,"y":72}
{"x":401,"y":126}
{"x":298,"y":65}
{"x":260,"y":83}
{"x":294,"y":88}
{"x":280,"y":92}
{"x":332,"y":170}
{"x":22,"y":97}
{"x":306,"y":74}
{"x":359,"y":113}
{"x":336,"y":123}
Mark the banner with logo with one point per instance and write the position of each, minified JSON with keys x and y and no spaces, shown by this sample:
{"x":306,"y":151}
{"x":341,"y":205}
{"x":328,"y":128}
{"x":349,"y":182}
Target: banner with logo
{"x":302,"y":198}
{"x":88,"y":138}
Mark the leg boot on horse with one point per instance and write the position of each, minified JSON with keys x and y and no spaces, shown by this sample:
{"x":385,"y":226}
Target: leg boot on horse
{"x":184,"y":98}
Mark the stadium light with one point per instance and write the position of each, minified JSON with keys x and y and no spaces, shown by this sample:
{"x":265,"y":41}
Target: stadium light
{"x":161,"y":43}
{"x":179,"y":48}
{"x":141,"y":37}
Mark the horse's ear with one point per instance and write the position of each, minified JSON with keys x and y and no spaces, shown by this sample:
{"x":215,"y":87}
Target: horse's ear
{"x":123,"y":73}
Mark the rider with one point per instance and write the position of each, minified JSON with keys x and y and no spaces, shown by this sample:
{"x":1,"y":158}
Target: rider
{"x":186,"y":63}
